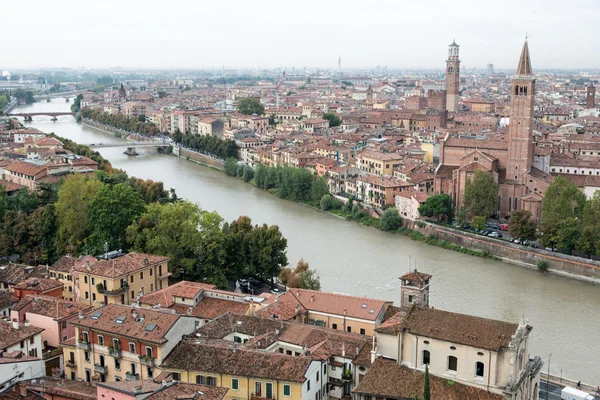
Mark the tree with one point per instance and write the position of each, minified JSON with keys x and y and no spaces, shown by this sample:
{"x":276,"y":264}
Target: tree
{"x":162,"y":94}
{"x":478,"y":222}
{"x":589,"y":240}
{"x":250,"y":106}
{"x":481,"y":194}
{"x":521,"y":226}
{"x":390,"y":220}
{"x":319,"y":189}
{"x":230,"y":167}
{"x":45,"y":228}
{"x":326,"y":202}
{"x":563,"y":201}
{"x":426,"y":388}
{"x":301,"y":277}
{"x":333,"y":119}
{"x":438,"y":206}
{"x":461,"y":217}
{"x":267,"y":251}
{"x":110,"y":212}
{"x":71,"y":210}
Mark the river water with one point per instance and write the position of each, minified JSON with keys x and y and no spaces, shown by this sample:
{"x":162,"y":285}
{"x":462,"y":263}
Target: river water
{"x":362,"y":261}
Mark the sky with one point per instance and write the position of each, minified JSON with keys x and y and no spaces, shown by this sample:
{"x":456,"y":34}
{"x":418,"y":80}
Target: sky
{"x":311,"y":33}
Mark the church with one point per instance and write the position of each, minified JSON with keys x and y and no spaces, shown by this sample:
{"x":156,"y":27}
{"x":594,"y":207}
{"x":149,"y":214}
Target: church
{"x":510,"y":158}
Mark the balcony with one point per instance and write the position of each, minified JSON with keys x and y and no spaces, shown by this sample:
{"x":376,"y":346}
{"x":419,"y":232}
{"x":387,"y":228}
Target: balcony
{"x":131,"y":377}
{"x":117,"y":292}
{"x":71,"y":364}
{"x":146,"y":360}
{"x":83,"y":345}
{"x":52,"y":353}
{"x":114,"y":352}
{"x":102,"y":369}
{"x":259,"y":395}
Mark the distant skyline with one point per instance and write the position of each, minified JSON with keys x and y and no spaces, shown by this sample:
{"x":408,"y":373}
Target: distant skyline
{"x":269,"y":33}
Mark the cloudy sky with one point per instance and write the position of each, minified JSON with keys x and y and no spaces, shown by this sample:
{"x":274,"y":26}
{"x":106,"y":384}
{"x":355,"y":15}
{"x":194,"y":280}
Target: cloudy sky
{"x":311,"y":33}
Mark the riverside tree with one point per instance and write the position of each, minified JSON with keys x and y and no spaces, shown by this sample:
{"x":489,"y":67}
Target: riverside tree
{"x":561,"y":208}
{"x":589,"y":239}
{"x":437,"y":206}
{"x":390,"y":220}
{"x":301,"y":277}
{"x":481,"y":194}
{"x":521,"y":225}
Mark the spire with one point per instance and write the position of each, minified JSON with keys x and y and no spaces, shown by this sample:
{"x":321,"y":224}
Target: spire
{"x":524,"y":68}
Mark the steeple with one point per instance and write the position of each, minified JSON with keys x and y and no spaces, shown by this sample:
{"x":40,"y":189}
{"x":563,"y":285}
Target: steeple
{"x":524,"y":68}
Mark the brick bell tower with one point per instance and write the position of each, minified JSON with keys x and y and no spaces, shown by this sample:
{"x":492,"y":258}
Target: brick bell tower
{"x":452,"y":77}
{"x":520,"y":130}
{"x":591,"y":96}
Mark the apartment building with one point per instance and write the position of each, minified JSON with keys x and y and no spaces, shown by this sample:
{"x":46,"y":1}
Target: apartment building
{"x":378,"y":163}
{"x":119,"y":279}
{"x":116,"y":342}
{"x":38,"y":286}
{"x":61,"y":271}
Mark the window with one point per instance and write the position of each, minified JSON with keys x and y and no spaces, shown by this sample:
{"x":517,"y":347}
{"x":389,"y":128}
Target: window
{"x":131,"y":347}
{"x":333,"y":326}
{"x":211,"y":381}
{"x":362,"y":331}
{"x":132,"y":294}
{"x":63,"y":325}
{"x":287,"y":390}
{"x":141,"y":275}
{"x":93,"y":281}
{"x":151,"y":271}
{"x":93,"y":296}
{"x":411,"y":298}
{"x":200,"y":379}
{"x":101,"y":340}
{"x":288,"y":352}
{"x":117,"y":364}
{"x":426,"y":357}
{"x":258,"y":388}
{"x":176,"y":376}
{"x":308,"y":384}
{"x":131,"y":278}
{"x":269,"y":390}
{"x":86,"y":356}
{"x":85,"y":279}
{"x":317,"y":376}
{"x":479,"y":369}
{"x":235,"y":384}
{"x":150,"y":372}
{"x":452,"y":363}
{"x":148,"y":351}
{"x":151,"y":286}
{"x":87,"y":296}
{"x":349,"y":328}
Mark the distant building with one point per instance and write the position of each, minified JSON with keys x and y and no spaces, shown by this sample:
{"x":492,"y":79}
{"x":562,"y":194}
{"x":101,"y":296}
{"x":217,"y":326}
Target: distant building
{"x":452,"y":78}
{"x":490,"y":70}
{"x":591,"y":96}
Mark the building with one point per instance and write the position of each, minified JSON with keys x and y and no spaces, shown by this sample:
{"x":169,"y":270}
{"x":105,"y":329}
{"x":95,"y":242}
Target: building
{"x":117,"y":342}
{"x":61,"y":271}
{"x":452,"y":78}
{"x":38,"y":286}
{"x":210,"y":127}
{"x":489,"y":70}
{"x":22,"y":338}
{"x":334,"y":311}
{"x":121,"y":279}
{"x":408,"y":202}
{"x":149,"y":390}
{"x":16,"y":367}
{"x":378,"y":163}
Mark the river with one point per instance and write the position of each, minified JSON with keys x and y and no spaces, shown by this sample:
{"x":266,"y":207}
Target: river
{"x":363,"y":261}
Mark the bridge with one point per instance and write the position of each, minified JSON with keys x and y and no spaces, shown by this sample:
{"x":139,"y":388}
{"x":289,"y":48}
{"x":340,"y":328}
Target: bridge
{"x":29,"y":116}
{"x":66,"y":95}
{"x":128,"y":144}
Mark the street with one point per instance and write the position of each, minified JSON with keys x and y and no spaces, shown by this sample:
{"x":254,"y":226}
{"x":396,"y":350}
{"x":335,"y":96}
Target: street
{"x":553,"y":391}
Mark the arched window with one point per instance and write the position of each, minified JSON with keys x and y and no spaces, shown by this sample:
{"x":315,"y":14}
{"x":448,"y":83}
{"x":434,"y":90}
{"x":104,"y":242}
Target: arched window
{"x":516,"y":90}
{"x":509,"y":204}
{"x":479,"y":369}
{"x":499,"y":201}
{"x":452,"y":363}
{"x":525,"y":91}
{"x":516,"y":204}
{"x":426,"y":357}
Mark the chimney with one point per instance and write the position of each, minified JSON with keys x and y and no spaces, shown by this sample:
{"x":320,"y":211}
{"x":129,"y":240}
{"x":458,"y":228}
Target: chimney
{"x":15,"y":323}
{"x":81,"y":316}
{"x":134,"y":314}
{"x":145,"y":261}
{"x":235,"y":347}
{"x":189,"y":310}
{"x":312,"y":298}
{"x":23,"y":390}
{"x":27,"y":322}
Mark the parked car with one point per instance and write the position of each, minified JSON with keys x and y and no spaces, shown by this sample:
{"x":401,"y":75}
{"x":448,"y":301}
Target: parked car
{"x":495,"y":235}
{"x":504,"y":227}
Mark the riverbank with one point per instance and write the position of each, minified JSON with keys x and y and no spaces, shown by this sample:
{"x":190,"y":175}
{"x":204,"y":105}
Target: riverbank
{"x":134,"y":137}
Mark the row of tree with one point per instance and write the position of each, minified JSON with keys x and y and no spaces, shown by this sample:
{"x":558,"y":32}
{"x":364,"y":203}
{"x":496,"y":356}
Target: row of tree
{"x":120,"y":121}
{"x":291,"y":183}
{"x":210,"y":145}
{"x":4,"y":99}
{"x":26,"y":95}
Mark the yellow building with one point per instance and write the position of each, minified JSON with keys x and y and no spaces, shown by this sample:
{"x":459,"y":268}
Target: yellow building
{"x":117,"y":342}
{"x":428,"y":149}
{"x":248,"y":374}
{"x":61,"y":271}
{"x":121,"y":279}
{"x":378,"y":163}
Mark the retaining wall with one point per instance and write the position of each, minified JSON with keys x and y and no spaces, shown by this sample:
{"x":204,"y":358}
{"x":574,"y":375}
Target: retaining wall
{"x":560,"y":264}
{"x":200,"y":158}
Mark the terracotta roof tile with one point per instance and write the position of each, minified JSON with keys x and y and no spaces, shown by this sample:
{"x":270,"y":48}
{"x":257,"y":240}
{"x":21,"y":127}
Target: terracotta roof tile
{"x":339,"y":304}
{"x":165,"y":297}
{"x":50,"y":306}
{"x":123,"y":265}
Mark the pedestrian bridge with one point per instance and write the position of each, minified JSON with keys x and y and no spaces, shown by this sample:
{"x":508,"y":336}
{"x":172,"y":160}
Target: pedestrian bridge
{"x":128,"y":144}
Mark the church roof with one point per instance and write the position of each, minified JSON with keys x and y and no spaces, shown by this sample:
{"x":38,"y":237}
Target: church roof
{"x":524,"y":68}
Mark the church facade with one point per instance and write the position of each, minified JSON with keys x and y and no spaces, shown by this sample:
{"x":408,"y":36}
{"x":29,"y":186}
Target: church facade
{"x":508,"y":158}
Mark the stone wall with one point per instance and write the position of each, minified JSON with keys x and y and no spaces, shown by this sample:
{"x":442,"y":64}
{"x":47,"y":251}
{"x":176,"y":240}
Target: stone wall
{"x":200,"y":158}
{"x":559,"y":264}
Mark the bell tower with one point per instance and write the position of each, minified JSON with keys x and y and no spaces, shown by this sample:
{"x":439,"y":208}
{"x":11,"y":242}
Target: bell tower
{"x":452,"y":77}
{"x":520,"y":130}
{"x":414,"y":289}
{"x":591,"y":96}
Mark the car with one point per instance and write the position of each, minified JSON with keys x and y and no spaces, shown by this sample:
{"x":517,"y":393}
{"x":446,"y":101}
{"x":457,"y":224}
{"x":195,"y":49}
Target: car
{"x":504,"y":227}
{"x":495,"y":235}
{"x":496,"y":227}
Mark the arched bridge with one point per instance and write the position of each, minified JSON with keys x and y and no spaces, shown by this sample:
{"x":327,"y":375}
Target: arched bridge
{"x":48,"y":114}
{"x":128,"y":144}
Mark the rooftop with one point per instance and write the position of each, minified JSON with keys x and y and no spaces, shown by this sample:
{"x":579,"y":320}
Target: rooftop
{"x":339,"y":304}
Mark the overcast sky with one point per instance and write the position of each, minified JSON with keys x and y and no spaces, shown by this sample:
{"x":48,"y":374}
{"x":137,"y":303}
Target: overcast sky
{"x":311,"y":33}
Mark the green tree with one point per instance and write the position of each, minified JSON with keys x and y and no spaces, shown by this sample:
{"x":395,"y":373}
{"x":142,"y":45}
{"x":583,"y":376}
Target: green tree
{"x":568,"y":235}
{"x":589,"y":240}
{"x":45,"y":228}
{"x":333,"y":119}
{"x":481,"y":194}
{"x":72,"y":210}
{"x":3,"y":202}
{"x":267,"y":251}
{"x":250,"y":106}
{"x":319,"y":189}
{"x":438,"y":206}
{"x":25,"y":201}
{"x":162,"y":94}
{"x":563,"y":201}
{"x":326,"y":202}
{"x":390,"y":220}
{"x":461,"y":217}
{"x":110,"y":212}
{"x":478,"y":222}
{"x":230,"y":166}
{"x":426,"y":388}
{"x":521,"y":226}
